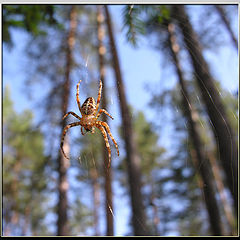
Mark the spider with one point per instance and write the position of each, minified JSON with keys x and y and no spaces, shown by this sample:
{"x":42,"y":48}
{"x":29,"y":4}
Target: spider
{"x":89,"y":120}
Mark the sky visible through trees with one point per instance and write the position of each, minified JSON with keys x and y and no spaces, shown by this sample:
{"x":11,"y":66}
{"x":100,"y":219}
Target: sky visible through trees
{"x":149,"y":81}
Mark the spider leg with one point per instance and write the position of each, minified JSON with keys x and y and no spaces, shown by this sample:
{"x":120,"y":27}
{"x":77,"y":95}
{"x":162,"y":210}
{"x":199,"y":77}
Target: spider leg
{"x":93,"y":130}
{"x":109,"y":132}
{"x":99,"y":95}
{"x":77,"y":96}
{"x":64,"y":133}
{"x":103,"y":111}
{"x":74,"y":114}
{"x":101,"y":128}
{"x":82,"y":131}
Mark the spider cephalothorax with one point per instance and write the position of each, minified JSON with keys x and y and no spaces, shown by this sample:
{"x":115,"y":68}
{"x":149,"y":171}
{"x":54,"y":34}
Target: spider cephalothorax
{"x":88,"y":121}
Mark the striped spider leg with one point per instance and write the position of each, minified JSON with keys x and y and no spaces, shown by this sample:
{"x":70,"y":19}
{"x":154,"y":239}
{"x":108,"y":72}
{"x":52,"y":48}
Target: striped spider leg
{"x":64,"y":133}
{"x":77,"y":97}
{"x":99,"y":95}
{"x":100,"y":125}
{"x":72,"y":124}
{"x":98,"y":102}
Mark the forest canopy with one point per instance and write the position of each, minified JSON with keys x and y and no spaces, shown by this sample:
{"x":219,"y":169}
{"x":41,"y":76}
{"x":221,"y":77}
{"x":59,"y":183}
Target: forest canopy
{"x":120,"y":120}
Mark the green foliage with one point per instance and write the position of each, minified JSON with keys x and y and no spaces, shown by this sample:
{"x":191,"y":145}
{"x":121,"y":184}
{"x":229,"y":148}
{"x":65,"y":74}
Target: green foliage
{"x":28,"y":17}
{"x":168,"y":183}
{"x":231,"y":103}
{"x":152,"y":159}
{"x":137,"y":18}
{"x":23,"y":168}
{"x":133,"y":23}
{"x":91,"y":150}
{"x":147,"y":144}
{"x":80,"y":218}
{"x":178,"y":189}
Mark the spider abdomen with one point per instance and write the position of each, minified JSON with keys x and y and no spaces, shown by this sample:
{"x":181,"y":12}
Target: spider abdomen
{"x":89,"y":106}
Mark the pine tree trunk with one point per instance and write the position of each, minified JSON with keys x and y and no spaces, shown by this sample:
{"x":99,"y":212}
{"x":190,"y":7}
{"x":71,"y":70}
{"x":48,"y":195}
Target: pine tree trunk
{"x":62,"y":228}
{"x":155,"y":213}
{"x":132,"y":158}
{"x":27,"y":212}
{"x":222,"y":193}
{"x":14,"y":211}
{"x":96,"y":199}
{"x":219,"y":121}
{"x":107,"y":171}
{"x":203,"y":165}
{"x":222,"y":14}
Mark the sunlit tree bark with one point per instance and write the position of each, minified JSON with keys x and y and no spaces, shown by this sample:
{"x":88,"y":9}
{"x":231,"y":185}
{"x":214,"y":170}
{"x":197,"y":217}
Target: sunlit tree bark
{"x":107,"y":171}
{"x":133,"y":161}
{"x":96,"y":199}
{"x":63,"y":163}
{"x":223,"y":196}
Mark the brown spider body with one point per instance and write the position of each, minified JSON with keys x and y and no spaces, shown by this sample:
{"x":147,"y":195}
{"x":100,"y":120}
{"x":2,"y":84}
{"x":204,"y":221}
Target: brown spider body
{"x":89,"y":120}
{"x":88,"y":109}
{"x":89,"y":106}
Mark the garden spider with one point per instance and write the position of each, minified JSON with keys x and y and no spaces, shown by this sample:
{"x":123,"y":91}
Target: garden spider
{"x":89,"y":120}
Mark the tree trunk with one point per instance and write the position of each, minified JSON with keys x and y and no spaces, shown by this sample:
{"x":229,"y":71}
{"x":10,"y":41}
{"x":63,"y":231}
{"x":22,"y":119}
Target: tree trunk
{"x":96,"y":199}
{"x":203,"y":165}
{"x":222,"y":14}
{"x":222,"y":129}
{"x":107,"y":171}
{"x":14,"y":211}
{"x":132,"y":158}
{"x":224,"y":198}
{"x":62,"y":228}
{"x":27,"y":212}
{"x":155,"y":213}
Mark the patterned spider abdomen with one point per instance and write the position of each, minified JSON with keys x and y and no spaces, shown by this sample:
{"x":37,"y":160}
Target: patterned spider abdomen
{"x":89,"y":106}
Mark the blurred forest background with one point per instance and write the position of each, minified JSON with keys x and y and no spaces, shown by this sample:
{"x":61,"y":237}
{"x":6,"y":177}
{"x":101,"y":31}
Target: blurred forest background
{"x":176,"y":126}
